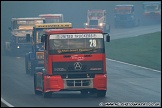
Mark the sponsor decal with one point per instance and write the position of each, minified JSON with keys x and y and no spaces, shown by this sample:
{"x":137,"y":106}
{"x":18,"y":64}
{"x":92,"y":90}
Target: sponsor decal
{"x":76,"y":57}
{"x":59,"y":69}
{"x":73,"y":50}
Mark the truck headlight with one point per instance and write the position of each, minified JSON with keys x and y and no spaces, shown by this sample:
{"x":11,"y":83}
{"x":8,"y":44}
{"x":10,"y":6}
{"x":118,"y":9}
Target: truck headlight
{"x":101,"y":24}
{"x":40,"y":55}
{"x":132,"y":16}
{"x":18,"y":46}
{"x":86,"y":24}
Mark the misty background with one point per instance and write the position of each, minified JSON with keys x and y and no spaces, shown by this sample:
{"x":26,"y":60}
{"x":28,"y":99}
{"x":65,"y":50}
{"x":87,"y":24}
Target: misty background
{"x":73,"y":11}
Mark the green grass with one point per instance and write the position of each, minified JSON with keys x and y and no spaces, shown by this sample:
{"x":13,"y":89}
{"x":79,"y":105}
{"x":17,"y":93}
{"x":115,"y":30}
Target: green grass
{"x":144,"y":50}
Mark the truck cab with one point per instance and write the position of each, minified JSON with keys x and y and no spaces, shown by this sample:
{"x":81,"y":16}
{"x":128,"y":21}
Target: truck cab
{"x":124,"y":16}
{"x":74,"y":60}
{"x":34,"y":60}
{"x":151,"y":8}
{"x":20,"y":27}
{"x":52,"y":18}
{"x":152,"y":12}
{"x":97,"y":19}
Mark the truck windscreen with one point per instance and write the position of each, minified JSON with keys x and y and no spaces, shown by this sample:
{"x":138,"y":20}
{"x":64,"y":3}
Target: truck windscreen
{"x":123,"y":10}
{"x":53,"y":19}
{"x":72,"y":43}
{"x":27,"y":24}
{"x":93,"y":22}
{"x":152,"y":8}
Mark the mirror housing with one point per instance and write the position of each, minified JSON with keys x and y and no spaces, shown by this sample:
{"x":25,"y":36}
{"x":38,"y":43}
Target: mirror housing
{"x":44,"y":71}
{"x":9,"y":28}
{"x":108,"y":28}
{"x":107,"y":37}
{"x":43,"y":37}
{"x":28,"y":37}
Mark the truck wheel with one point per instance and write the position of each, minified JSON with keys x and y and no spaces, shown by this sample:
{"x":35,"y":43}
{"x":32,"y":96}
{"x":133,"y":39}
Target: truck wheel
{"x":101,"y":93}
{"x":26,"y":64}
{"x":92,"y":92}
{"x":138,"y":22}
{"x":47,"y":94}
{"x":84,"y":92}
{"x":36,"y":91}
{"x":116,"y":25}
{"x":4,"y":49}
{"x":31,"y":68}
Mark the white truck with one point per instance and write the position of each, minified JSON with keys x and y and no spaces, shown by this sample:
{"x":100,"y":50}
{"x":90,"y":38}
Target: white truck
{"x":97,"y":19}
{"x":52,"y":18}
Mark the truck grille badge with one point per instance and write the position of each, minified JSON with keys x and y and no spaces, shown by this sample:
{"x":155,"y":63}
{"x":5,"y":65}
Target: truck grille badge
{"x":77,"y":66}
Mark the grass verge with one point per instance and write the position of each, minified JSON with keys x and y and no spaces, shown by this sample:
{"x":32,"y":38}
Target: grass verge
{"x":144,"y":50}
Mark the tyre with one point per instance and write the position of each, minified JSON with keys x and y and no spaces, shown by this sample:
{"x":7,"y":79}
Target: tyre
{"x":138,"y":22}
{"x":84,"y":92}
{"x":47,"y":94}
{"x":92,"y":91}
{"x":7,"y":49}
{"x":26,"y":64}
{"x":35,"y":82}
{"x":101,"y":93}
{"x":32,"y":66}
{"x":116,"y":25}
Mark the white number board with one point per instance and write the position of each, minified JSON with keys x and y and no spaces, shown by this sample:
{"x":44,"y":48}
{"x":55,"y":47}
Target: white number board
{"x":75,"y":36}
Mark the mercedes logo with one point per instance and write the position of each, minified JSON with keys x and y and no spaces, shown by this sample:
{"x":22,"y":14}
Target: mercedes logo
{"x":77,"y":66}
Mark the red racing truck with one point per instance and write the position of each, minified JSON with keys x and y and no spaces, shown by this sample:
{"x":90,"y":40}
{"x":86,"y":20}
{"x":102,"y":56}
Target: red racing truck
{"x":74,"y":60}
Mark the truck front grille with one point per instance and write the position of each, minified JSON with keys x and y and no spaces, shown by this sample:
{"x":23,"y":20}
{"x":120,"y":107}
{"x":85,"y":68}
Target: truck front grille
{"x":75,"y":83}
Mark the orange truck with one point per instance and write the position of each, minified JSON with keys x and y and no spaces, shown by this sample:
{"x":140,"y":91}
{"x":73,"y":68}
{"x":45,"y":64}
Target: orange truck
{"x":74,"y":60}
{"x":152,"y":8}
{"x":20,"y":27}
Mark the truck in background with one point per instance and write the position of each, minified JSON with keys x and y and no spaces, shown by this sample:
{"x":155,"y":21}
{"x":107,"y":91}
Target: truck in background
{"x":35,"y":58}
{"x":124,"y":16}
{"x":74,"y":60}
{"x":152,"y":8}
{"x":52,"y":18}
{"x":152,"y":11}
{"x":97,"y":19}
{"x":17,"y":44}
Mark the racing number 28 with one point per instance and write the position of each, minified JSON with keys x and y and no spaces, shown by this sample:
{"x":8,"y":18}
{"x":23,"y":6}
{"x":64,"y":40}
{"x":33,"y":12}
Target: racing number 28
{"x":92,"y":43}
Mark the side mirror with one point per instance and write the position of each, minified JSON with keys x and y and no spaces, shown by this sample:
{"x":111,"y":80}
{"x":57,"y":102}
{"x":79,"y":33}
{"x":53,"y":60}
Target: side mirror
{"x":43,"y":37}
{"x":44,"y":71}
{"x":107,"y":37}
{"x":108,"y":28}
{"x":28,"y":37}
{"x":9,"y":28}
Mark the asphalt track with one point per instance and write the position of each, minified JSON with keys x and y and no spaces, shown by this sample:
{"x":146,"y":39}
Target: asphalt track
{"x":126,"y":83}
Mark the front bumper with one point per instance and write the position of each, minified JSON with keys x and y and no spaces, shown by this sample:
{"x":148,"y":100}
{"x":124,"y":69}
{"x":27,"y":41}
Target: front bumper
{"x":56,"y":83}
{"x":38,"y":65}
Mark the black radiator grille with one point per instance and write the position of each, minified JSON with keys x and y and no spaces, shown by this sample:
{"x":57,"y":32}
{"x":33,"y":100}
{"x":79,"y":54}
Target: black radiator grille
{"x":77,"y":67}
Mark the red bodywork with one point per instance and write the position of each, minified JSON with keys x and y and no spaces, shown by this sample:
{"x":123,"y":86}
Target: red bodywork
{"x":55,"y":82}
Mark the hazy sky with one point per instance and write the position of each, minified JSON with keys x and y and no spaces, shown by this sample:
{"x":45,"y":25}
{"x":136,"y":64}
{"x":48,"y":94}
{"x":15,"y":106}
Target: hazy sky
{"x":73,"y":11}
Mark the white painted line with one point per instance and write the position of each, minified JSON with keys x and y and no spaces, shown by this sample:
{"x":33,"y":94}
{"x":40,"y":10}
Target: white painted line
{"x":134,"y":65}
{"x":6,"y":103}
